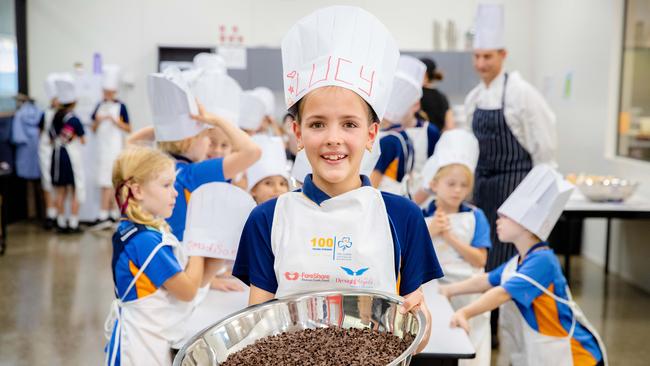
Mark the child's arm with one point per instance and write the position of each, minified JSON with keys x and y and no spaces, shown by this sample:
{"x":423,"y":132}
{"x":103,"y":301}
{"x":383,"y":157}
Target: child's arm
{"x":475,"y":256}
{"x":258,"y":296}
{"x":145,"y":134}
{"x":119,"y":122}
{"x":184,"y":285}
{"x":489,"y":301}
{"x":246,"y":152}
{"x":475,"y":284}
{"x":212,"y":266}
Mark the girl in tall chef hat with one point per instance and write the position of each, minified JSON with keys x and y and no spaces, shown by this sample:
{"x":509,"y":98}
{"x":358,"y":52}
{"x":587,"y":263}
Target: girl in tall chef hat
{"x":337,"y":232}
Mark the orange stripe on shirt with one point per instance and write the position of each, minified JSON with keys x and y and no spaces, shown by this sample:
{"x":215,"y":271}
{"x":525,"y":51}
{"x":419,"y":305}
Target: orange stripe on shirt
{"x":548,"y":323}
{"x":143,"y":286}
{"x":187,"y":194}
{"x":391,"y":171}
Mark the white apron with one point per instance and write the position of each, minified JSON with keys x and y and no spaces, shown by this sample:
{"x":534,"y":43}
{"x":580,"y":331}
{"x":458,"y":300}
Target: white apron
{"x":75,"y":153}
{"x":110,"y":140}
{"x":344,"y":243}
{"x":420,"y":140}
{"x":390,"y":185}
{"x":521,"y":345}
{"x":146,"y":328}
{"x":456,"y":269}
{"x":45,"y":150}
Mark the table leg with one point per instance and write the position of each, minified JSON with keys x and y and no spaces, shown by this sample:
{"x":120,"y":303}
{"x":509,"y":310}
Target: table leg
{"x":567,"y":255}
{"x":607,"y":242}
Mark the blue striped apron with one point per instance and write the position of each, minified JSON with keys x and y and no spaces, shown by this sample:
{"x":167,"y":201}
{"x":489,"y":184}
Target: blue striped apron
{"x":502,"y":165}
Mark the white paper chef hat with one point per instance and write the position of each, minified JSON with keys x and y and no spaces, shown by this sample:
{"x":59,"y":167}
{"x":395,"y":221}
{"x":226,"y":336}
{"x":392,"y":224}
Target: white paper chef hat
{"x":455,"y":146}
{"x":266,"y":95}
{"x":50,"y":86}
{"x":407,"y":87}
{"x":343,"y":46}
{"x":171,"y":104}
{"x":273,"y":160}
{"x":210,"y":62}
{"x":301,"y":166}
{"x":66,"y":91}
{"x":110,"y":77}
{"x":251,"y":111}
{"x":538,"y":201}
{"x":489,"y":27}
{"x":219,"y":93}
{"x":216,"y":215}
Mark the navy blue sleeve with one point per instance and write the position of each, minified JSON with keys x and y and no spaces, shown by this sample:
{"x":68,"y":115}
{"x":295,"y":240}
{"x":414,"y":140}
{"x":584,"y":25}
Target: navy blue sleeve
{"x":164,"y":264}
{"x":430,"y":210}
{"x":78,"y":127}
{"x":390,"y":148}
{"x":123,"y":113}
{"x":539,"y":267}
{"x":418,"y":263}
{"x":94,"y":115}
{"x":481,"y":237}
{"x":207,"y":171}
{"x":254,"y":264}
{"x":433,"y":135}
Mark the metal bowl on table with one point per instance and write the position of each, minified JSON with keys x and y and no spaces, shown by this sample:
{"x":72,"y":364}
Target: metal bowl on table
{"x":606,"y":189}
{"x":344,"y":309}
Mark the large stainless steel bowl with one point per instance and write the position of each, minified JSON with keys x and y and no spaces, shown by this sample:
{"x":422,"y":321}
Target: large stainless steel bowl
{"x":606,"y":189}
{"x":345,"y":309}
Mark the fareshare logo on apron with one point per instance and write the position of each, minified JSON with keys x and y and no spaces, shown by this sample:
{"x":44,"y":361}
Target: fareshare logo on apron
{"x":344,"y":243}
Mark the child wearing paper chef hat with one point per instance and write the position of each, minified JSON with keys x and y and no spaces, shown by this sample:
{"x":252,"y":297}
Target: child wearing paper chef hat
{"x":459,"y":231}
{"x":268,"y":177}
{"x":179,"y":124}
{"x":338,"y":67}
{"x":539,"y":323}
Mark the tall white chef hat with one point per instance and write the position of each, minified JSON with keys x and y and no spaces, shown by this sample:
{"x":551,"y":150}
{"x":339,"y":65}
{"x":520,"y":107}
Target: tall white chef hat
{"x":266,"y":95}
{"x":273,"y":160}
{"x":342,"y":46}
{"x":301,"y":166}
{"x":210,"y":62}
{"x":110,"y":77}
{"x":216,"y":215}
{"x":219,"y":93}
{"x":489,"y":27}
{"x":66,"y":91}
{"x":407,"y":87}
{"x":50,"y":86}
{"x":538,"y":201}
{"x":454,"y":147}
{"x":172,"y":102}
{"x":251,"y":111}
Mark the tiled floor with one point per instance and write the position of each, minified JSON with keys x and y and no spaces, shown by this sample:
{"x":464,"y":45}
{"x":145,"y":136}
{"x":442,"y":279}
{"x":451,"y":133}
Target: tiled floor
{"x":55,"y":292}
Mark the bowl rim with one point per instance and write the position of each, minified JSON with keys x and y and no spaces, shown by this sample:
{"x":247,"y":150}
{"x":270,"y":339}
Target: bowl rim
{"x":418,"y":314}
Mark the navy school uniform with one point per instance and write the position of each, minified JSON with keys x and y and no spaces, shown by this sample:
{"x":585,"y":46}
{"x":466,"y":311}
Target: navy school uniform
{"x":65,"y":131}
{"x":415,"y":261}
{"x":397,"y":155}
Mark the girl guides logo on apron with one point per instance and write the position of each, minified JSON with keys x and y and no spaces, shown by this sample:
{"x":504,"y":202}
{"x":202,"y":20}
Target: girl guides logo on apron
{"x":338,"y":247}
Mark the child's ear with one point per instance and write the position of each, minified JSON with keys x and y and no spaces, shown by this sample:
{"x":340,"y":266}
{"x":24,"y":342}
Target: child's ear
{"x":136,"y":190}
{"x":434,"y":185}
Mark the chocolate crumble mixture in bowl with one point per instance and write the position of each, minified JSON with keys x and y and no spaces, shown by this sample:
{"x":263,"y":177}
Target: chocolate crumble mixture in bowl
{"x":350,"y":327}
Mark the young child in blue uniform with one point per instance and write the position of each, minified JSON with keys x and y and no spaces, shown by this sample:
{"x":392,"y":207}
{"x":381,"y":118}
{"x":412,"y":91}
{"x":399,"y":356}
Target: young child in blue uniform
{"x":182,"y":136}
{"x":398,"y":153}
{"x":337,"y":232}
{"x":154,"y":280}
{"x":110,"y":125}
{"x":66,"y":170}
{"x":539,"y":322}
{"x":460,"y":232}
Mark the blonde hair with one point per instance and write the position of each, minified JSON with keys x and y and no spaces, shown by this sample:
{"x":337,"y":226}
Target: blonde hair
{"x":175,"y":147}
{"x":445,"y":170}
{"x":138,"y":164}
